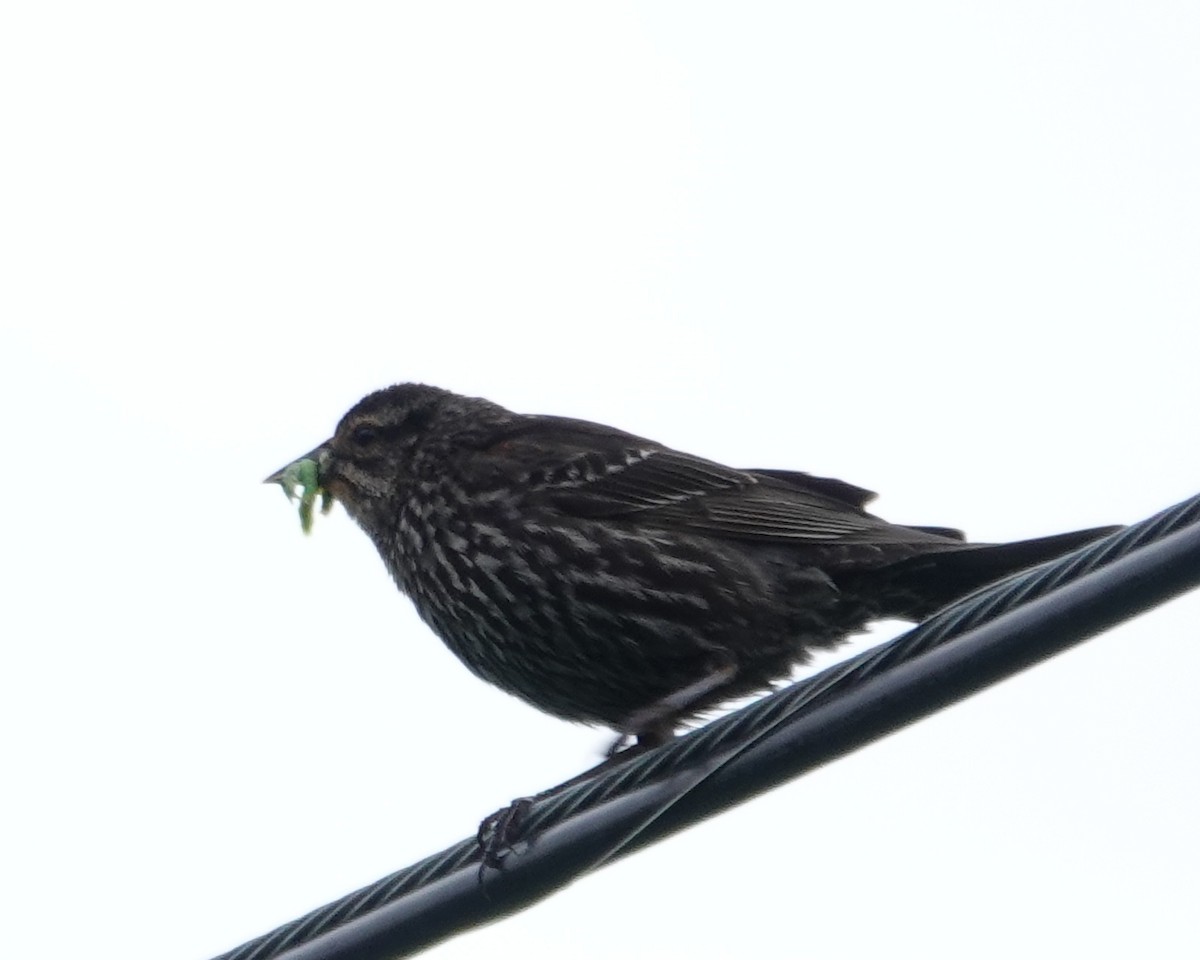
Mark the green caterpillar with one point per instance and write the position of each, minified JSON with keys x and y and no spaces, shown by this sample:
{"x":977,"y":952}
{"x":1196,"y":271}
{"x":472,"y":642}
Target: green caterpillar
{"x":303,"y":474}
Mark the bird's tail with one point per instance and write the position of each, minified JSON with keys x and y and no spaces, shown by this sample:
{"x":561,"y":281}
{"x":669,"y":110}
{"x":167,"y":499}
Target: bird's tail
{"x":922,"y":585}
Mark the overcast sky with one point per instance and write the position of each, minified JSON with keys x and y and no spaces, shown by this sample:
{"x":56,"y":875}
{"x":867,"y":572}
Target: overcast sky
{"x":946,"y":251}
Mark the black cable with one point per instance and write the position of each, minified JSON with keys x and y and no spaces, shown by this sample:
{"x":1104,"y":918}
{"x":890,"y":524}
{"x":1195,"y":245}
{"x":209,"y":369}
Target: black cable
{"x":1007,"y":628}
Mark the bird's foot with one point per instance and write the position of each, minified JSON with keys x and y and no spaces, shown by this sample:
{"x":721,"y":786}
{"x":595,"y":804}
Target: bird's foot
{"x":502,"y":834}
{"x":499,"y":834}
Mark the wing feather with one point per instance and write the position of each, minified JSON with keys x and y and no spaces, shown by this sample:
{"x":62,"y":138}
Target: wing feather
{"x":589,"y":471}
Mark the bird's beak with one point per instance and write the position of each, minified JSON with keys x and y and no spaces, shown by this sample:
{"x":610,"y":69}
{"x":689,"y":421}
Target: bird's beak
{"x":305,"y":478}
{"x":319,"y":455}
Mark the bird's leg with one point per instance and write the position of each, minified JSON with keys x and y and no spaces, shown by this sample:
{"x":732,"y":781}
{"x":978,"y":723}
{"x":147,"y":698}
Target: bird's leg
{"x":654,"y":725}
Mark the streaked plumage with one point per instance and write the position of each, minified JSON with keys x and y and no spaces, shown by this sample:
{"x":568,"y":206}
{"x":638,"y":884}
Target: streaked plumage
{"x":609,"y":579}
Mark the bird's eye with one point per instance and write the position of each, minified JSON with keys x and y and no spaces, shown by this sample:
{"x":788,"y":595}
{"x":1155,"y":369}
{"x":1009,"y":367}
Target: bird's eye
{"x":364,"y":435}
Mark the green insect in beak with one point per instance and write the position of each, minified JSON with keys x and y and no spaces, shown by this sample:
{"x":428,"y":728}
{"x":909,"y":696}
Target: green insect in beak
{"x":302,"y":474}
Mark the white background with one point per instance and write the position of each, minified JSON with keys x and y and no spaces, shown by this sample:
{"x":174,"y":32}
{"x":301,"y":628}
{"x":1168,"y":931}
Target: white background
{"x":945,"y":251}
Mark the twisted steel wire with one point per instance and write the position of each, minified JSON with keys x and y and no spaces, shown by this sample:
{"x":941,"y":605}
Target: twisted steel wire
{"x":709,"y":747}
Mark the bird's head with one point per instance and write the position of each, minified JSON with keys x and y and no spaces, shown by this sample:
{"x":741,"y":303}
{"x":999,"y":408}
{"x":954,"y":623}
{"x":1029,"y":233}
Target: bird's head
{"x":388,"y":441}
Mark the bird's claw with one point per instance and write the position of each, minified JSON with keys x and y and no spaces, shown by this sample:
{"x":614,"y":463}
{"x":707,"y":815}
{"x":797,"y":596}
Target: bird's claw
{"x":499,"y":834}
{"x":623,"y":742}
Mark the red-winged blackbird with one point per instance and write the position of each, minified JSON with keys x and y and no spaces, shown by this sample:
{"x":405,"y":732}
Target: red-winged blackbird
{"x":606,"y":578}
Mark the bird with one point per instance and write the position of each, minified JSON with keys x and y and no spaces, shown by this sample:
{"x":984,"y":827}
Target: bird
{"x":612,"y":580}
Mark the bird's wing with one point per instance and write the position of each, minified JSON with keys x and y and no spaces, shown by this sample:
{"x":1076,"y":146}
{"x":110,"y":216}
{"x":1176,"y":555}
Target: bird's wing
{"x":831,"y":487}
{"x":589,"y":471}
